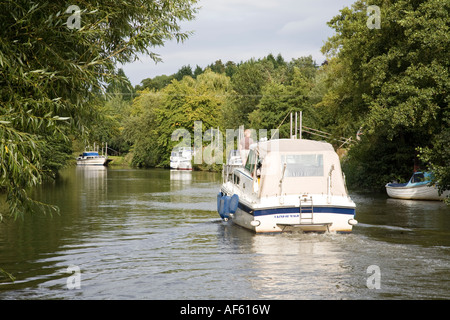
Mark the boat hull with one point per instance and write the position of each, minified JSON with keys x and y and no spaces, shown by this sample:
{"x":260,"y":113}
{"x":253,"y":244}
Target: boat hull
{"x":336,"y":216}
{"x":93,"y":162}
{"x":181,"y":165}
{"x":325,"y":219}
{"x":423,"y":192}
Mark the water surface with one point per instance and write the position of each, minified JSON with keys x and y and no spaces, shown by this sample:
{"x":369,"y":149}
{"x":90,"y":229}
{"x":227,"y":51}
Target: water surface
{"x":155,"y":234}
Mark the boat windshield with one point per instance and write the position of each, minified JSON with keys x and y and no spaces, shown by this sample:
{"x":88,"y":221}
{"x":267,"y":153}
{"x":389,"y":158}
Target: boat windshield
{"x":303,"y":165}
{"x":420,"y":177}
{"x":251,"y":161}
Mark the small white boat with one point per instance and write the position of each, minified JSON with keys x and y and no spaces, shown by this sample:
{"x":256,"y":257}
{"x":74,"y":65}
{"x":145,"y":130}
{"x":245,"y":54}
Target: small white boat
{"x":417,"y":188}
{"x":92,"y":158}
{"x":288,"y":184}
{"x":181,"y":158}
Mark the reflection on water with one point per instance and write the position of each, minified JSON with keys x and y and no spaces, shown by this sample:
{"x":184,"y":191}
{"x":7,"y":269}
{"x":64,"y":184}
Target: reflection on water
{"x":155,"y":234}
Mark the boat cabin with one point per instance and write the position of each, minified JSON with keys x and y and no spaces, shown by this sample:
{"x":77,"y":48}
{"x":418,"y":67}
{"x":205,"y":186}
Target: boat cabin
{"x":290,"y":167}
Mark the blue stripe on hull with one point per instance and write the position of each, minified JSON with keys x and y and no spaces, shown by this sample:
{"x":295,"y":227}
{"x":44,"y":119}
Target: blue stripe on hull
{"x":286,"y":210}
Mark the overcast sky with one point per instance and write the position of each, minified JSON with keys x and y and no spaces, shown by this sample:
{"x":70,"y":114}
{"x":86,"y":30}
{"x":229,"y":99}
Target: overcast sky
{"x":238,"y":30}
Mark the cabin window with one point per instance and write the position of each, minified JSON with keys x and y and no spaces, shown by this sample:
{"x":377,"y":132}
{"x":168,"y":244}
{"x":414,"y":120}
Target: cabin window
{"x":420,"y":177}
{"x":251,"y":161}
{"x":303,"y":165}
{"x":236,"y":179}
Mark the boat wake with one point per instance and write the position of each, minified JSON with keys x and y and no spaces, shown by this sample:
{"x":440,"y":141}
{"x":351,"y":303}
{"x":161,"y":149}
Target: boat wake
{"x":377,"y":226}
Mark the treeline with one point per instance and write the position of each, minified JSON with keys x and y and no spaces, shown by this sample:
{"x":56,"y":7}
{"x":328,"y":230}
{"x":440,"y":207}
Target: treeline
{"x":257,"y":93}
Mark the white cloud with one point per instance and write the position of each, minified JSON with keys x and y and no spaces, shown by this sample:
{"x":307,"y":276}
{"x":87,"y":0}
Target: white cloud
{"x":238,"y":30}
{"x":299,"y":27}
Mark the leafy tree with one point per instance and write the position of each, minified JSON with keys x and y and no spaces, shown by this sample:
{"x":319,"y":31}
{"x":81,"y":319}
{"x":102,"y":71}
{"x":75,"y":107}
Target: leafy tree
{"x":306,"y":65}
{"x":278,"y":100}
{"x":157,"y":83}
{"x":247,"y":83}
{"x":217,"y":67}
{"x":188,"y":101}
{"x":230,"y":69}
{"x":51,"y":71}
{"x":437,"y":156}
{"x":157,"y":114}
{"x":397,"y":77}
{"x":338,"y":102}
{"x":141,"y":128}
{"x":121,"y":85}
{"x":182,"y":72}
{"x":198,"y":71}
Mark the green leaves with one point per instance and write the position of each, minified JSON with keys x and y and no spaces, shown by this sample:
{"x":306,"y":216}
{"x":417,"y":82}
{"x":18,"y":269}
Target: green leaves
{"x":400,"y":71}
{"x":51,"y":76}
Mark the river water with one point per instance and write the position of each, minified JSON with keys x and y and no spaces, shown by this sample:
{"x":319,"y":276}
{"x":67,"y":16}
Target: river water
{"x":155,"y":234}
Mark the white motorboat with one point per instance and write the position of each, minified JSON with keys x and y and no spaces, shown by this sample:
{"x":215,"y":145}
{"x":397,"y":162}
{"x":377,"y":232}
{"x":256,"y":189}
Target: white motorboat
{"x":93,"y":158}
{"x":288,"y":184}
{"x":417,"y":188}
{"x":181,"y":158}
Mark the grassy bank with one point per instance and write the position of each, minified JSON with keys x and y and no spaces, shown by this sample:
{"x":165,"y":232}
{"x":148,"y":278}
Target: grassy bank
{"x":120,"y":161}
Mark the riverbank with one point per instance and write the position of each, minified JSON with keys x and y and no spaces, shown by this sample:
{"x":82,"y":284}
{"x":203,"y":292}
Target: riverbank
{"x":121,"y":161}
{"x":126,"y":160}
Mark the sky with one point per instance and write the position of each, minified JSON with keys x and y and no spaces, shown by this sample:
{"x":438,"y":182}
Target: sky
{"x":238,"y":30}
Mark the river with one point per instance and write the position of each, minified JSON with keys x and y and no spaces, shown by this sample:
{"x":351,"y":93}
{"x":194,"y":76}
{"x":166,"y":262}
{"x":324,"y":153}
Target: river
{"x":155,"y":234}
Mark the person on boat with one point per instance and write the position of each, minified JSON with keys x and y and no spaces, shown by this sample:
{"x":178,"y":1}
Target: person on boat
{"x":244,"y":145}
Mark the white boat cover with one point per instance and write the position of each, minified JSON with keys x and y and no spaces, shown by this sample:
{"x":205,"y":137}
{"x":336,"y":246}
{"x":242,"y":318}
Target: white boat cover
{"x":308,"y":164}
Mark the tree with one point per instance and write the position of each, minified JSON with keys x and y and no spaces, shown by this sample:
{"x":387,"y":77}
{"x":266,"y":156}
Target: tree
{"x":398,"y":75}
{"x":278,"y":100}
{"x":157,"y":83}
{"x":54,"y":64}
{"x":156,"y":115}
{"x":182,"y":72}
{"x":437,"y":155}
{"x":121,"y":85}
{"x":141,"y":128}
{"x":198,"y":71}
{"x":247,"y":83}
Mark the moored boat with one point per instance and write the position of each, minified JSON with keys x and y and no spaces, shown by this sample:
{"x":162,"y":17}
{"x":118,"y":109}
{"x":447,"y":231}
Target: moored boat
{"x":288,"y":184}
{"x":417,"y":188}
{"x":93,"y":158}
{"x":181,"y":158}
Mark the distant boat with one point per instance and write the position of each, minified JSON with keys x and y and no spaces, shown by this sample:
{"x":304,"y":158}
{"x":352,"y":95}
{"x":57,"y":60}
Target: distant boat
{"x":93,"y":158}
{"x":417,"y":188}
{"x":180,"y":158}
